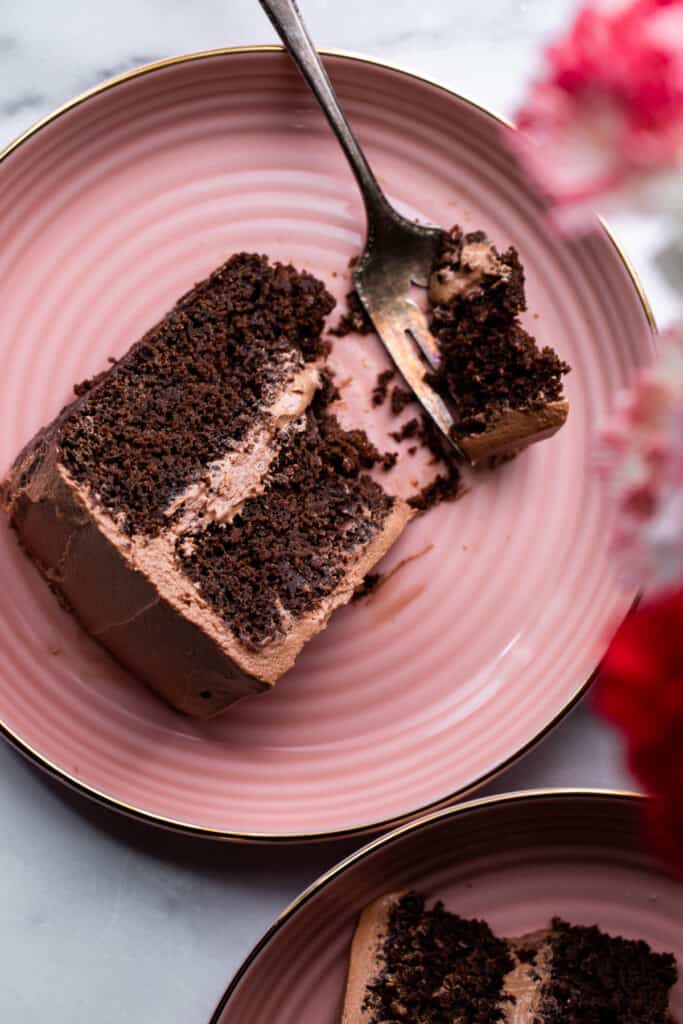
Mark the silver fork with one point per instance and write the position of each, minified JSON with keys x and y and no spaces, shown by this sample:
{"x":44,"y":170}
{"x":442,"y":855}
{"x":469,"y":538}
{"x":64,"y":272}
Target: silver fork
{"x":398,"y":253}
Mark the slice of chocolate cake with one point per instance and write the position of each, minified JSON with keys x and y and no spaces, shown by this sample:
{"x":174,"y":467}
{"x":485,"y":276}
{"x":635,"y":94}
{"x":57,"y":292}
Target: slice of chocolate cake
{"x":419,"y":965}
{"x":194,"y":507}
{"x":425,"y":966}
{"x":503,"y":390}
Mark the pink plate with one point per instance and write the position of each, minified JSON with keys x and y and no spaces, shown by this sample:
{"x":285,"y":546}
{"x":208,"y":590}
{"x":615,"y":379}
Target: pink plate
{"x":516,"y":861}
{"x":111,"y":210}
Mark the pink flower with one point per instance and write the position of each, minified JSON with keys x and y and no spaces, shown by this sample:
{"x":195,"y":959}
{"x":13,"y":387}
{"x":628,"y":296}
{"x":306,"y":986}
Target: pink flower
{"x":609,"y":110}
{"x":641,"y":460}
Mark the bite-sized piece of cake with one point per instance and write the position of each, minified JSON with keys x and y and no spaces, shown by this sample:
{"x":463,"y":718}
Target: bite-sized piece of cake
{"x":428,"y":966}
{"x":194,"y":507}
{"x":504,"y":391}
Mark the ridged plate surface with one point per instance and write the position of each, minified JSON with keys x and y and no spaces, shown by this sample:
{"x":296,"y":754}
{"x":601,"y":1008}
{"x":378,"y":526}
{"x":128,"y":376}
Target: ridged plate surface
{"x":115,"y":208}
{"x":516,"y":862}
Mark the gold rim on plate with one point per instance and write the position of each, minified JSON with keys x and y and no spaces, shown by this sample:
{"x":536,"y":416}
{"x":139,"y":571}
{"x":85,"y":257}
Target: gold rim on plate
{"x":189,"y":828}
{"x":520,"y":796}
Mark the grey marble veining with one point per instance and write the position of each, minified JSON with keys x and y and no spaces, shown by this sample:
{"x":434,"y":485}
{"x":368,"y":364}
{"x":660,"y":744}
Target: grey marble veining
{"x":102,"y":919}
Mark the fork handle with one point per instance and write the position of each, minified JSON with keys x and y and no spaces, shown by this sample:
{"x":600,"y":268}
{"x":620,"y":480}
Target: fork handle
{"x":287,"y":20}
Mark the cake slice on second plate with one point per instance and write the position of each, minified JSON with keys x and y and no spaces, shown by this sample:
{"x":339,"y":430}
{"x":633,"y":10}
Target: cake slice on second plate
{"x":423,"y":965}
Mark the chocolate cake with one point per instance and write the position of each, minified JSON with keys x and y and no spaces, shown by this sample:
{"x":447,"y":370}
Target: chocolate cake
{"x":202,"y":512}
{"x":503,"y":390}
{"x":423,"y":965}
{"x":197,"y":506}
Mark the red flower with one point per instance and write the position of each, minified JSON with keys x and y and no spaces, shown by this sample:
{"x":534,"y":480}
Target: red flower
{"x":608,"y":111}
{"x":630,"y":56}
{"x":641,"y":691}
{"x":605,"y":121}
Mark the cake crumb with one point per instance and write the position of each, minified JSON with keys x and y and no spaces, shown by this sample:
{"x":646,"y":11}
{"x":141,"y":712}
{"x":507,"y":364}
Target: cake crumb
{"x":370,"y":583}
{"x":355,"y":320}
{"x":444,"y":487}
{"x":400,"y":398}
{"x":381,"y":388}
{"x":409,"y":429}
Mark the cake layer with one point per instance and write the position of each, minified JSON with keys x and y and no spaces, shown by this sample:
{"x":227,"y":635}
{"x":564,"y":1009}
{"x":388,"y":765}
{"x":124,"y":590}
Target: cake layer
{"x":193,"y":389}
{"x":596,"y":977}
{"x":523,"y":987}
{"x":174,"y":554}
{"x":288,"y":553}
{"x":222,"y":487}
{"x":428,"y":966}
{"x":509,"y":431}
{"x":423,"y":966}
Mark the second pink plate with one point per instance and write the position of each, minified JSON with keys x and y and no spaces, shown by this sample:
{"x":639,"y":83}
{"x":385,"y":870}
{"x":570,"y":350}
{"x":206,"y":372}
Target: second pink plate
{"x":517,"y":861}
{"x":112,"y":209}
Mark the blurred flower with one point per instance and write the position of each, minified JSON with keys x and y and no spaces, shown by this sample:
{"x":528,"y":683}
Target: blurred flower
{"x":640,"y":457}
{"x":608,"y":113}
{"x":605,"y":124}
{"x":641,"y":691}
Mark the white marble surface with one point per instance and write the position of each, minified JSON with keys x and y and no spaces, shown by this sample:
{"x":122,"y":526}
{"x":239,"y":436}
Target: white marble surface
{"x":101,"y":918}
